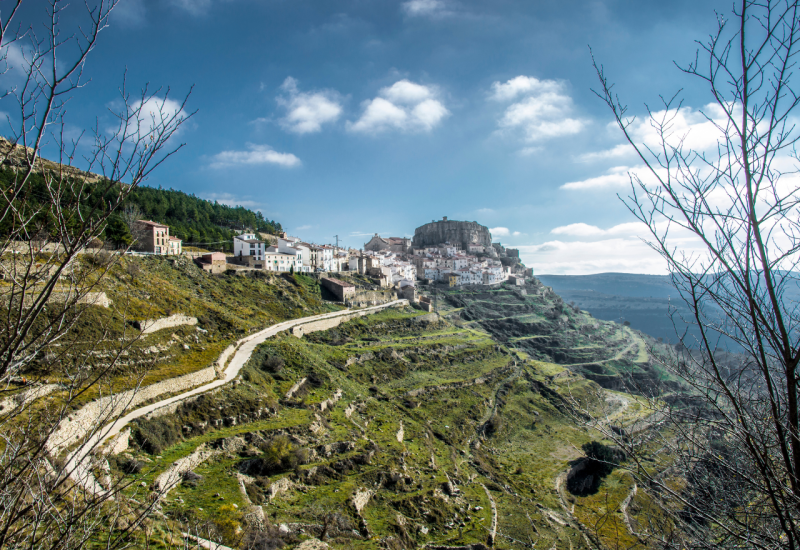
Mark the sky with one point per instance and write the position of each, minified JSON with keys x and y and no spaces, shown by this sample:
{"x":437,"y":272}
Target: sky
{"x":356,"y":117}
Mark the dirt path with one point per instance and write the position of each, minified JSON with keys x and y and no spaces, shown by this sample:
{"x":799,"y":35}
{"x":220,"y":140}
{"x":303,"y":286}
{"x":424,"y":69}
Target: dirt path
{"x":78,"y":466}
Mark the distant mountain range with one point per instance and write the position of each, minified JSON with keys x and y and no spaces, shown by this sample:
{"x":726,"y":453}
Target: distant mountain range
{"x":642,"y":300}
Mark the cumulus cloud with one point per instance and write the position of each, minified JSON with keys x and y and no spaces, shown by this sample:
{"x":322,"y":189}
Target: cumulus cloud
{"x":404,"y":106}
{"x":615,"y":177}
{"x":692,"y":129}
{"x":499,"y":231}
{"x":523,"y":85}
{"x":256,"y":154}
{"x":153,"y":113}
{"x":306,"y":112}
{"x":542,"y":109}
{"x":618,"y":151}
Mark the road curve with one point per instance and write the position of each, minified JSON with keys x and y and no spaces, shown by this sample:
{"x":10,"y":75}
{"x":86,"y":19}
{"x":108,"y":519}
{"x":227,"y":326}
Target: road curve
{"x":75,"y":464}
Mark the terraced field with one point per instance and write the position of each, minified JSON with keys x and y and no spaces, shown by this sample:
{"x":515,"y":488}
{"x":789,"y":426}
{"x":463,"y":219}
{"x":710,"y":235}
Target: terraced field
{"x":536,"y":321}
{"x":398,"y":430}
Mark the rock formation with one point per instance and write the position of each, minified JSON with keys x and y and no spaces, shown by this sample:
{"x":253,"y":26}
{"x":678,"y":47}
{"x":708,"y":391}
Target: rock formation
{"x":444,"y":230}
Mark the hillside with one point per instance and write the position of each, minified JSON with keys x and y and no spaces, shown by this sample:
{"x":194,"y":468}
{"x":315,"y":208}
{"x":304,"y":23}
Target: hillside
{"x":396,"y":430}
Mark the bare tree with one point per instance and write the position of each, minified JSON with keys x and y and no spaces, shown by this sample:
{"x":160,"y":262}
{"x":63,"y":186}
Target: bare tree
{"x":723,"y":457}
{"x":131,"y":214}
{"x":50,"y":211}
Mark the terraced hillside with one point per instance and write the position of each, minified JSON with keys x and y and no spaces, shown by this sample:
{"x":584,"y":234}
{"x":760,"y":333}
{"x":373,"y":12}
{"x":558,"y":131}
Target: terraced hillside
{"x":398,"y":430}
{"x":536,"y":321}
{"x":149,"y":288}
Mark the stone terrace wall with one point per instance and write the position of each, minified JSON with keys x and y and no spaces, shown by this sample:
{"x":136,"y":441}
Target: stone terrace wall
{"x":101,"y":411}
{"x":325,"y":324}
{"x":153,"y":325}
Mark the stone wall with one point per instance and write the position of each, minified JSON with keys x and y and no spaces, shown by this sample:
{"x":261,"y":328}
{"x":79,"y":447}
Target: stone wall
{"x":452,"y":231}
{"x":101,"y":411}
{"x":342,"y":290}
{"x":326,"y":324}
{"x":152,"y":325}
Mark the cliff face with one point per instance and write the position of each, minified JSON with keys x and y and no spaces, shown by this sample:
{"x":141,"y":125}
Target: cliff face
{"x":451,"y":231}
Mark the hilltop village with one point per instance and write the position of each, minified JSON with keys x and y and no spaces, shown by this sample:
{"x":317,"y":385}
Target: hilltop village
{"x":448,"y":252}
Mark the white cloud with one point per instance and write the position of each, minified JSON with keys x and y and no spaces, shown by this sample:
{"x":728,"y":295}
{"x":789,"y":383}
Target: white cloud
{"x":232,"y":200}
{"x":516,"y":234}
{"x":586,"y":230}
{"x":406,"y":92}
{"x":614,"y":177}
{"x":426,"y":8}
{"x":485,"y":211}
{"x":404,"y":106}
{"x":523,"y":85}
{"x":303,"y":227}
{"x":692,"y":129}
{"x":257,"y":154}
{"x":621,"y":150}
{"x":499,"y":231}
{"x":621,"y":255}
{"x":545,"y":111}
{"x":154,"y":113}
{"x":306,"y":112}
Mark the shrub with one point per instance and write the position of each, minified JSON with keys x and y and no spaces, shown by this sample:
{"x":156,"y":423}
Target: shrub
{"x":129,"y":465}
{"x":279,"y":455}
{"x":155,"y":435}
{"x":273,"y":364}
{"x":269,"y":538}
{"x":228,"y":524}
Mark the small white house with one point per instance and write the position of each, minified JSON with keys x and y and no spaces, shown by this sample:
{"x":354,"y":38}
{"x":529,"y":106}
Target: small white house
{"x":248,"y":244}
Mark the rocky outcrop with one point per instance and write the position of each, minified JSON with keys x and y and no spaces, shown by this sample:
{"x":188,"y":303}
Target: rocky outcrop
{"x":464,"y":233}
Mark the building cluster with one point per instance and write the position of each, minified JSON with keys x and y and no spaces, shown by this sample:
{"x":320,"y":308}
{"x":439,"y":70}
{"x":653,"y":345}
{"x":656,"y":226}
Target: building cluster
{"x":448,"y":263}
{"x":469,"y":259}
{"x":389,"y":268}
{"x":287,"y":254}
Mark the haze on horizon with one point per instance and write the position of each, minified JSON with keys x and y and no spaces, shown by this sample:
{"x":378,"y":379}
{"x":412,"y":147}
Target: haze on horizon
{"x":353,"y":117}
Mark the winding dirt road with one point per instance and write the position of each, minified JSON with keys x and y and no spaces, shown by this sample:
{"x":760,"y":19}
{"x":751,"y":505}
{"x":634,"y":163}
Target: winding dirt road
{"x":77,"y":464}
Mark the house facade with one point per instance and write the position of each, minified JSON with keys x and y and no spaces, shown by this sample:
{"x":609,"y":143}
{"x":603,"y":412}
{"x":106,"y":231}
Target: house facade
{"x":154,"y":237}
{"x":248,"y":244}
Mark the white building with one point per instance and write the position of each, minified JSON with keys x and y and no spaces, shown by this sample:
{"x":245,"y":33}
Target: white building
{"x":289,"y":246}
{"x":248,"y":244}
{"x":275,"y":260}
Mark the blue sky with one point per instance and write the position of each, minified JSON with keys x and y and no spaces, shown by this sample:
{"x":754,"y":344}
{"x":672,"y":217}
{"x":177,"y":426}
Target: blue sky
{"x":352,"y":117}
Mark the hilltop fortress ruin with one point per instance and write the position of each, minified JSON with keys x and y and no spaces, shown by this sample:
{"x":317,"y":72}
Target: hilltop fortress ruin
{"x":452,"y":231}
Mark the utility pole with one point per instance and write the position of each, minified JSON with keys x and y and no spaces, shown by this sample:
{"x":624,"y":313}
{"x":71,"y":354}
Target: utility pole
{"x":337,"y":241}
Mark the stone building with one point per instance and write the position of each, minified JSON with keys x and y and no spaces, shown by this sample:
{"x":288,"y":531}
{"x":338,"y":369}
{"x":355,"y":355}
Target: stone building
{"x":451,"y":231}
{"x":216,"y":262}
{"x":154,"y":237}
{"x":377,"y":243}
{"x":342,"y":290}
